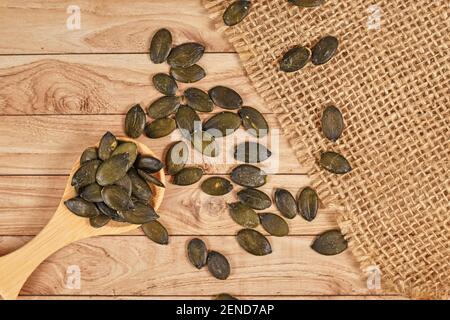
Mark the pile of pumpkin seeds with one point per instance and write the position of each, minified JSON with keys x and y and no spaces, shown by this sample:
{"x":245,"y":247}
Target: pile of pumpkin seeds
{"x":114,"y":182}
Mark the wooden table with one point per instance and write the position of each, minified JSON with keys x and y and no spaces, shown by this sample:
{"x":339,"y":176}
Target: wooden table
{"x":61,"y":89}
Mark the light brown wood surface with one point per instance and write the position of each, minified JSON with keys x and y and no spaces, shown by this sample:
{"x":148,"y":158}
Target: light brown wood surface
{"x":60,"y":90}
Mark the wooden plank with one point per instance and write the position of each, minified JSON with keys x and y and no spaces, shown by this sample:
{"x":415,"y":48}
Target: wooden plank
{"x":136,"y":266}
{"x":103,"y":83}
{"x":27,"y":203}
{"x":106,"y":26}
{"x":52,"y":144}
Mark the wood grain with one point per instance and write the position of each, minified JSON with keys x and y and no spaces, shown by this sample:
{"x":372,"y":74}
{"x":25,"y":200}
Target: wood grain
{"x":27,"y":203}
{"x":136,"y":266}
{"x":103,"y":83}
{"x":106,"y":26}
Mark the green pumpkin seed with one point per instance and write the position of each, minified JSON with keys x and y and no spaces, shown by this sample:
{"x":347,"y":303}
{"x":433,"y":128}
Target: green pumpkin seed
{"x":225,"y":296}
{"x":81,"y":207}
{"x":85,"y":175}
{"x":218,"y":265}
{"x":141,"y":213}
{"x":198,"y":100}
{"x":188,"y":176}
{"x":243,"y":215}
{"x":107,"y":211}
{"x":185,"y":55}
{"x":135,"y":122}
{"x":285,"y":203}
{"x":125,"y":182}
{"x":308,"y":204}
{"x":253,"y":242}
{"x":236,"y":12}
{"x":92,"y":193}
{"x":225,"y":98}
{"x":112,"y":169}
{"x":197,"y":253}
{"x":176,"y":157}
{"x":188,"y":75}
{"x":274,"y":224}
{"x":88,"y":155}
{"x":247,"y":175}
{"x":140,"y":188}
{"x":330,"y":243}
{"x":156,"y":232}
{"x":127,"y":147}
{"x":295,"y":59}
{"x":163,"y":107}
{"x":160,"y":128}
{"x":254,"y":122}
{"x":116,"y":198}
{"x":324,"y":50}
{"x":307,"y":3}
{"x":251,"y":152}
{"x":149,"y":164}
{"x":204,"y":142}
{"x":160,"y":46}
{"x":99,"y":221}
{"x":334,"y":162}
{"x":254,"y":198}
{"x":216,"y":186}
{"x":151,"y":179}
{"x":165,"y":84}
{"x":107,"y":145}
{"x":187,"y":120}
{"x":222,"y":124}
{"x":332,"y":123}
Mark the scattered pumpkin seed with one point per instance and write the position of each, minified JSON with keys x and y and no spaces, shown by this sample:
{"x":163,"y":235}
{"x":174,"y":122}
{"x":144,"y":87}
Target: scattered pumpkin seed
{"x":218,"y":265}
{"x":149,"y":164}
{"x":247,"y":175}
{"x":160,"y":128}
{"x":222,"y":124}
{"x":127,"y":147}
{"x":116,"y":198}
{"x":88,"y":155}
{"x":107,"y":145}
{"x":198,"y":100}
{"x":274,"y":224}
{"x":330,"y":243}
{"x":225,"y":296}
{"x":135,"y":122}
{"x":243,"y":215}
{"x":308,"y":204}
{"x":151,"y":179}
{"x":254,"y":198}
{"x":113,"y":214}
{"x":253,"y":242}
{"x":188,"y":75}
{"x":187,"y":176}
{"x":334,"y":162}
{"x":165,"y":84}
{"x":187,"y":120}
{"x":254,"y":122}
{"x":176,"y":157}
{"x":99,"y":221}
{"x":295,"y":59}
{"x":81,"y":207}
{"x":251,"y":152}
{"x":156,"y":232}
{"x":140,"y":188}
{"x":324,"y":50}
{"x":307,"y":3}
{"x":332,"y":123}
{"x":285,"y":203}
{"x":140,"y":213}
{"x":225,"y":97}
{"x":85,"y":174}
{"x":216,"y":186}
{"x":160,"y":46}
{"x":185,"y":55}
{"x":204,"y":142}
{"x":236,"y":12}
{"x":112,"y":169}
{"x":92,"y":193}
{"x":163,"y":107}
{"x":197,"y":253}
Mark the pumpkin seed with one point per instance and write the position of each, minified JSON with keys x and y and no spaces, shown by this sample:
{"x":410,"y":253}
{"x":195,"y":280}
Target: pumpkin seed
{"x":140,"y":188}
{"x":127,"y":147}
{"x":185,"y":55}
{"x":332,"y":123}
{"x":251,"y":152}
{"x":330,"y":243}
{"x":151,"y":179}
{"x":236,"y":12}
{"x":116,"y":198}
{"x":254,"y":122}
{"x":99,"y":221}
{"x":160,"y":128}
{"x":204,"y":142}
{"x":274,"y":224}
{"x":188,"y":75}
{"x":308,"y":204}
{"x":295,"y":59}
{"x":225,"y":296}
{"x":85,"y":175}
{"x":324,"y":50}
{"x":135,"y":121}
{"x":165,"y":84}
{"x":307,"y":3}
{"x":92,"y":193}
{"x":243,"y":215}
{"x":88,"y":155}
{"x":107,"y":145}
{"x":285,"y":203}
{"x":163,"y":107}
{"x":253,"y":242}
{"x":112,"y":169}
{"x":160,"y":46}
{"x":125,"y":182}
{"x":225,"y":98}
{"x":107,"y":211}
{"x":187,"y":120}
{"x":222,"y":124}
{"x":149,"y":164}
{"x":188,"y":176}
{"x":247,"y":175}
{"x":81,"y":207}
{"x":216,"y":186}
{"x":156,"y":232}
{"x":176,"y":157}
{"x":334,"y":162}
{"x":254,"y":198}
{"x":218,"y":265}
{"x":198,"y":100}
{"x":197,"y":253}
{"x":140,"y":213}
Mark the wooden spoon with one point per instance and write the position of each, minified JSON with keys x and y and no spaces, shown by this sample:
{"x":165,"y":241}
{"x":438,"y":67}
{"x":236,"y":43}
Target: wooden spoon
{"x":63,"y":228}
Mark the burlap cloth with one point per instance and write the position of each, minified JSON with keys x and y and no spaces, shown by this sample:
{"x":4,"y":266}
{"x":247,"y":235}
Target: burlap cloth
{"x":390,"y":78}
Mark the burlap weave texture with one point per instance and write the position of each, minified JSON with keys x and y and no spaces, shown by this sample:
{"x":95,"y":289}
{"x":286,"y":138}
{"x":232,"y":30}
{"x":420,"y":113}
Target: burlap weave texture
{"x":390,"y":78}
